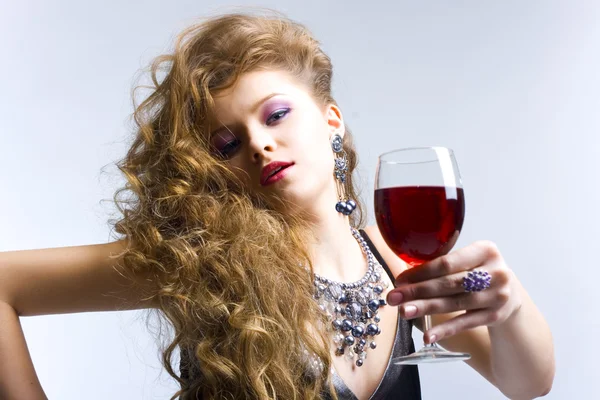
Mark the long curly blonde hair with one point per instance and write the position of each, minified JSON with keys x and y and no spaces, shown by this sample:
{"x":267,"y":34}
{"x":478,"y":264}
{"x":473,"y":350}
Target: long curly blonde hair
{"x":226,"y":268}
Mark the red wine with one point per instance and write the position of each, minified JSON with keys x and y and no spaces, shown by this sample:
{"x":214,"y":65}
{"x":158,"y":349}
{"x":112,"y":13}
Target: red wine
{"x":420,"y":223}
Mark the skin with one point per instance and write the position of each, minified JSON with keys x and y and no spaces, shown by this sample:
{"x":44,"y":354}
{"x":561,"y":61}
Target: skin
{"x":269,"y":116}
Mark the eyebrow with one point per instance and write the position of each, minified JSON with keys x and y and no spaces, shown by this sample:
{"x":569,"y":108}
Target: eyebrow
{"x":252,"y":111}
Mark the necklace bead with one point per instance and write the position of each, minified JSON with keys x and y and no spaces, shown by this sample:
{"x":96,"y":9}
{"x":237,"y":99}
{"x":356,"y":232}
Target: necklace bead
{"x":352,"y":307}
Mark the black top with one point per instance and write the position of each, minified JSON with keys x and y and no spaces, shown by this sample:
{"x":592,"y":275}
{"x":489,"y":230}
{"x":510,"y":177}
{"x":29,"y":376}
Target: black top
{"x":398,"y":381}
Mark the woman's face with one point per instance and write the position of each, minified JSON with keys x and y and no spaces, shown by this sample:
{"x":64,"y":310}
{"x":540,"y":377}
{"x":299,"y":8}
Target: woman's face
{"x":269,"y":117}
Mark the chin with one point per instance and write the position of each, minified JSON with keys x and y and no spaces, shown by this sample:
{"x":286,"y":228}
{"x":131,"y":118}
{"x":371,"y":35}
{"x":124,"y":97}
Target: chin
{"x":303,"y":198}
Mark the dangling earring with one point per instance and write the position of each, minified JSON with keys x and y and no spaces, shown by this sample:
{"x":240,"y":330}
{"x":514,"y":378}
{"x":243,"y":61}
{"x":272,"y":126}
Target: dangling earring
{"x":343,"y":206}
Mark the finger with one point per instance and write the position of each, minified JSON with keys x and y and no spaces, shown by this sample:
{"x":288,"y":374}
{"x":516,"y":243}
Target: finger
{"x":444,"y":305}
{"x":448,"y":285}
{"x":461,"y":323}
{"x":467,"y":258}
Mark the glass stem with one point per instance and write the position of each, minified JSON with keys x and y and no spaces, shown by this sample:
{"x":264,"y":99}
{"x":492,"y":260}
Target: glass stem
{"x":426,"y":327}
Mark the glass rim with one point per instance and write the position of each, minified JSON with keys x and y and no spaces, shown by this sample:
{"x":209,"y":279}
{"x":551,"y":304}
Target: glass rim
{"x":382,"y":156}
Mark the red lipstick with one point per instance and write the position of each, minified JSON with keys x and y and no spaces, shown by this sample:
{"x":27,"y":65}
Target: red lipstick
{"x":273,"y":172}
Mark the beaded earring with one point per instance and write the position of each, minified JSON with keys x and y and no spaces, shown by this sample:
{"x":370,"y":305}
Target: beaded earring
{"x":345,"y":205}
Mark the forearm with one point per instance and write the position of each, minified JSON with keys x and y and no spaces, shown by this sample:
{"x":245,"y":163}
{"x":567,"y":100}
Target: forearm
{"x":522,"y":353}
{"x":18,"y":379}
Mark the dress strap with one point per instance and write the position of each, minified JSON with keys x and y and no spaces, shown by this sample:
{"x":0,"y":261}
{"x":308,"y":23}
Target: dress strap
{"x":377,"y":255}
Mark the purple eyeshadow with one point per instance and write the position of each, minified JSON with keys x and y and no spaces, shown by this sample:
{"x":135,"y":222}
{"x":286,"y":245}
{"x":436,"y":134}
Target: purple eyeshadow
{"x":272,"y":107}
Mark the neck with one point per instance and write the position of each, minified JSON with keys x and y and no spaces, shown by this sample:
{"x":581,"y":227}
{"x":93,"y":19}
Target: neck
{"x":335,"y":253}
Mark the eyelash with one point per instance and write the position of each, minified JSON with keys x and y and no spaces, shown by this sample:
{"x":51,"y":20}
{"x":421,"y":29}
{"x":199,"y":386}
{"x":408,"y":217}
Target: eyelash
{"x":281,"y":113}
{"x":223,"y":151}
{"x":285,"y":111}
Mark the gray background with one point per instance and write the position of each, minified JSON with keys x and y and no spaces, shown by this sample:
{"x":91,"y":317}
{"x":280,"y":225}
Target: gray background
{"x":511,"y":86}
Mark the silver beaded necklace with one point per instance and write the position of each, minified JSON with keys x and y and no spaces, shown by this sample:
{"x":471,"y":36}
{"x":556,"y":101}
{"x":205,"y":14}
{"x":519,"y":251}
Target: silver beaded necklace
{"x":352,"y":308}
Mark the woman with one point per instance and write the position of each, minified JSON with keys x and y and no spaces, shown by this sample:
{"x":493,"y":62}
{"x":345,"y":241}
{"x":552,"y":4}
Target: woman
{"x":244,"y":222}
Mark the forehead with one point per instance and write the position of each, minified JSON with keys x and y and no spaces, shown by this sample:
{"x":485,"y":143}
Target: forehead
{"x":254,"y":86}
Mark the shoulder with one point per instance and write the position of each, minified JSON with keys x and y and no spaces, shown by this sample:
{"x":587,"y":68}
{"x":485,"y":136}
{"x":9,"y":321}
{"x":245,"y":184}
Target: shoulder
{"x":394,"y":262}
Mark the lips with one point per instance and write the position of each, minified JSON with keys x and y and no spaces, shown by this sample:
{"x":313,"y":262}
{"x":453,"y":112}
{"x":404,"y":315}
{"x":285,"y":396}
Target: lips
{"x":272,"y":172}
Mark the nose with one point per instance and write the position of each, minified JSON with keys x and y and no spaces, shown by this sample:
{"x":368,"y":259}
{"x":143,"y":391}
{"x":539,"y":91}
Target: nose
{"x":261,"y":142}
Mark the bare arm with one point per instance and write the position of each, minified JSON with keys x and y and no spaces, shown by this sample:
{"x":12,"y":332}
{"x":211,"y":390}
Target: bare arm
{"x":18,"y":379}
{"x":68,"y":280}
{"x":55,"y":281}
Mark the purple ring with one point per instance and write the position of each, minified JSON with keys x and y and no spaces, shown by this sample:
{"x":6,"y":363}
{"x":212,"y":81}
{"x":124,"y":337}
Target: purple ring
{"x":476,"y":281}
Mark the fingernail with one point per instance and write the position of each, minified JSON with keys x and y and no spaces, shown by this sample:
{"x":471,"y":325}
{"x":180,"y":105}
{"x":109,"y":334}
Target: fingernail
{"x":432,"y":339}
{"x":395,"y":298}
{"x":410,"y":310}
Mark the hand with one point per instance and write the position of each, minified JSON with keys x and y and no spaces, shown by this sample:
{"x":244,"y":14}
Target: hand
{"x":436,"y":288}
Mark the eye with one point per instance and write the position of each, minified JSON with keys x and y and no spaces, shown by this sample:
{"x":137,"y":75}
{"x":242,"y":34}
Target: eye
{"x":226,"y":150}
{"x":277,"y":115}
{"x":230,"y":148}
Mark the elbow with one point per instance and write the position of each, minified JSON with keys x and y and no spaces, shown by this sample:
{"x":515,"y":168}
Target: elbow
{"x":543,"y":390}
{"x":549,"y":381}
{"x":534,"y":390}
{"x":530,"y":394}
{"x":547,"y":391}
{"x":548,"y":387}
{"x":540,"y":393}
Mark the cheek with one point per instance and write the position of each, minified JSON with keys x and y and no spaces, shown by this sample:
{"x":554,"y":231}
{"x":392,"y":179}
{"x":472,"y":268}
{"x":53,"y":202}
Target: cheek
{"x":319,"y":160}
{"x":316,"y":153}
{"x":313,"y":141}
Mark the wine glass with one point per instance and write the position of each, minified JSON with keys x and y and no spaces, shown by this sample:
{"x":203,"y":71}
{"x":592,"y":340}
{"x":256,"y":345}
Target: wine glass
{"x":420,"y":208}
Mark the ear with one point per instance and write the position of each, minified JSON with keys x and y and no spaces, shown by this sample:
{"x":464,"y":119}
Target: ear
{"x":335,"y":121}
